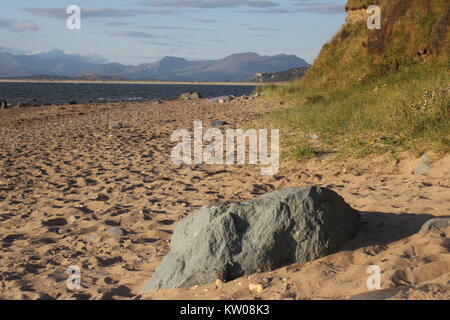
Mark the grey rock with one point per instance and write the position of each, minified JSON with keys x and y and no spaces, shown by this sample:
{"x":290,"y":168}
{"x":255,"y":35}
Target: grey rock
{"x":116,"y":232}
{"x":190,"y":96}
{"x":235,"y":239}
{"x":221,"y":99}
{"x":116,"y":125}
{"x":195,"y":95}
{"x":312,"y":136}
{"x":73,"y":219}
{"x":435,"y":224}
{"x":217,"y":123}
{"x":3,"y":104}
{"x":424,"y":166}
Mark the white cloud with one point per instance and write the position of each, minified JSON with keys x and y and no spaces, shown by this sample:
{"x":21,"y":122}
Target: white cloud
{"x":60,"y":13}
{"x":18,"y":26}
{"x":206,"y":4}
{"x":132,"y":34}
{"x":323,"y":7}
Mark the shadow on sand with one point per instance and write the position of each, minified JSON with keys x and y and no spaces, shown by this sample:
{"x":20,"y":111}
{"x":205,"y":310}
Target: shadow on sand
{"x":379,"y":228}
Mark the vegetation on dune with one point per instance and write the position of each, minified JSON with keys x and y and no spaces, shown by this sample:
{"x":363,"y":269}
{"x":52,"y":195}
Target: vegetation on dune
{"x":356,"y":4}
{"x":374,"y":91}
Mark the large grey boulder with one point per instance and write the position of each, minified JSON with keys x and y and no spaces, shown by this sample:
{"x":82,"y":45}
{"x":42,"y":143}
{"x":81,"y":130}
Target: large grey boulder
{"x":435,"y":224}
{"x":217,"y":123}
{"x":228,"y":240}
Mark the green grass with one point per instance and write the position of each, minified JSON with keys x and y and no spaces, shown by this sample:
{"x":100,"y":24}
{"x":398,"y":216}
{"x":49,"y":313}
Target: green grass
{"x":397,"y":112}
{"x":303,"y":150}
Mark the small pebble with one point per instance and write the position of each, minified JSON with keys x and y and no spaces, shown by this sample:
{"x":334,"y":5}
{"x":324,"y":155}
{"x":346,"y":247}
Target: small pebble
{"x":219,"y":284}
{"x":256,"y":287}
{"x":116,"y":125}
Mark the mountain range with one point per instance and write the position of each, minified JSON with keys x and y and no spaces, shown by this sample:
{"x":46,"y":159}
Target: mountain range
{"x":236,"y":67}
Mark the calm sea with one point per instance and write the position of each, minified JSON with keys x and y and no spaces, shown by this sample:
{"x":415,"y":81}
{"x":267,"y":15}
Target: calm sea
{"x":62,"y":93}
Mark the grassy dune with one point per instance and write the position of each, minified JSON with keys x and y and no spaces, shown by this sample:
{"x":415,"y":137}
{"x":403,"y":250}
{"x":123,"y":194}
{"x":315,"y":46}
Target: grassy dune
{"x":374,"y":91}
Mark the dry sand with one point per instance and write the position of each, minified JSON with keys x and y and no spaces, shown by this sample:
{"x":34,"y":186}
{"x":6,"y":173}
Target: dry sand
{"x":66,"y":179}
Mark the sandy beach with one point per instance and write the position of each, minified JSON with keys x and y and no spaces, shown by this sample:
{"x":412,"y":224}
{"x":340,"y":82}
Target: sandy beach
{"x":74,"y":192}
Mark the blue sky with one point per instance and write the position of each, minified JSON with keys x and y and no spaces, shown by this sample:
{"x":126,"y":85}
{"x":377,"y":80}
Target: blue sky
{"x":139,"y":31}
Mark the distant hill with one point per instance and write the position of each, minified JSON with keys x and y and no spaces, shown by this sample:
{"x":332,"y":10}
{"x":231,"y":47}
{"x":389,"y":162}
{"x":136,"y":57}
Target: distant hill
{"x":236,"y":67}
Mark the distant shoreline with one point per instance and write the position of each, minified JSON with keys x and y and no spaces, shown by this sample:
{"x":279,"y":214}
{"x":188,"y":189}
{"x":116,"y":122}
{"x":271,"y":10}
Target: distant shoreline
{"x":135,"y":82}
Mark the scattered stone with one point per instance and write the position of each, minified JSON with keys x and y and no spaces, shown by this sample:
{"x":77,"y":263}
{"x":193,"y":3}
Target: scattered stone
{"x":116,"y":232}
{"x":424,"y":166}
{"x":219,"y":284}
{"x":116,"y":125}
{"x":195,"y":95}
{"x":73,"y":219}
{"x":435,"y":224}
{"x":190,"y":96}
{"x":3,"y":104}
{"x":73,"y":102}
{"x":217,"y":123}
{"x":158,"y":101}
{"x":221,"y":99}
{"x":312,"y":136}
{"x":287,"y":295}
{"x":255,"y":287}
{"x":109,"y":280}
{"x":278,"y":228}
